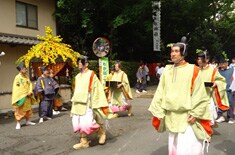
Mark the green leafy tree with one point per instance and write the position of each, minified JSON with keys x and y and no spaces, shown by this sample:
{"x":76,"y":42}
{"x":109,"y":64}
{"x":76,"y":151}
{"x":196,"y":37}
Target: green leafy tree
{"x":128,"y":25}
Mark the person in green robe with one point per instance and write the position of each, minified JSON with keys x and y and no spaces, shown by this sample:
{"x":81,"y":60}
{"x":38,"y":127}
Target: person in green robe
{"x":180,"y":105}
{"x":214,"y":82}
{"x":22,"y":96}
{"x":121,"y":93}
{"x":88,"y":93}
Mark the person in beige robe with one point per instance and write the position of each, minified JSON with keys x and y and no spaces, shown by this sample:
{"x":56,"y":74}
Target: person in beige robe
{"x":215,"y":84}
{"x":121,"y":94}
{"x":180,"y":105}
{"x":87,"y":91}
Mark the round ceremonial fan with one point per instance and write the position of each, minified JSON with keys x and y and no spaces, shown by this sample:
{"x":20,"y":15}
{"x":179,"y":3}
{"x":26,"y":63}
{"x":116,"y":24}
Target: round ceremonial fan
{"x":101,"y":47}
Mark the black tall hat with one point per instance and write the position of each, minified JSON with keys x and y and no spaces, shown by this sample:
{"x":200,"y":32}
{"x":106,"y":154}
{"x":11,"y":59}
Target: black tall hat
{"x":222,"y":58}
{"x":21,"y":66}
{"x":183,"y":45}
{"x":43,"y":68}
{"x":202,"y":53}
{"x":84,"y":60}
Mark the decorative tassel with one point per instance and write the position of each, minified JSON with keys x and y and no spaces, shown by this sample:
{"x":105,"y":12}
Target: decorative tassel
{"x":67,"y":72}
{"x":32,"y":71}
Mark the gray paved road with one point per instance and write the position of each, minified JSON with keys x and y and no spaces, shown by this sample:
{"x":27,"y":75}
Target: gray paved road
{"x":127,"y":136}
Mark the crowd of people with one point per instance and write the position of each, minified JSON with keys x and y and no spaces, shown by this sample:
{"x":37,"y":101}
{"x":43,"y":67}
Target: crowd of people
{"x":189,"y":101}
{"x":91,"y":104}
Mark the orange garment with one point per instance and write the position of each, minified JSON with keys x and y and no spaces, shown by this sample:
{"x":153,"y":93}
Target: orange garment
{"x":24,"y":111}
{"x":206,"y":125}
{"x":57,"y":102}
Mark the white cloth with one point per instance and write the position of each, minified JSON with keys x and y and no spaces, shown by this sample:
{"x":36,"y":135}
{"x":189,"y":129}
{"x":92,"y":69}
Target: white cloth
{"x":232,"y":65}
{"x":213,"y":65}
{"x":160,"y":71}
{"x":213,"y":110}
{"x":232,"y":86}
{"x":184,"y":143}
{"x":85,"y":123}
{"x":156,"y":69}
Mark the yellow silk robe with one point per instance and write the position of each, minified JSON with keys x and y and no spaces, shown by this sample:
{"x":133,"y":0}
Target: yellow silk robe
{"x":21,"y":88}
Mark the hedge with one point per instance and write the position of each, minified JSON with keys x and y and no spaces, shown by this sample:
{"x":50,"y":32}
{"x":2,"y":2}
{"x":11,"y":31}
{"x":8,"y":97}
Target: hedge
{"x":130,"y":68}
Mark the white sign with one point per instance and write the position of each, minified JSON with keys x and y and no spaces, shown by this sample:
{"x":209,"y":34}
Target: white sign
{"x":156,"y":25}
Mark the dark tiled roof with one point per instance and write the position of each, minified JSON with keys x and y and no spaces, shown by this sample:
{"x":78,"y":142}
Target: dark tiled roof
{"x":16,"y":39}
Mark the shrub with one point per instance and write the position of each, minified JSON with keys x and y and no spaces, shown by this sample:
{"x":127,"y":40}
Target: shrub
{"x":130,"y":68}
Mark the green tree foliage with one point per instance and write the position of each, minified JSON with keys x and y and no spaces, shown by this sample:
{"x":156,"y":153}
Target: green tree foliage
{"x":128,"y":25}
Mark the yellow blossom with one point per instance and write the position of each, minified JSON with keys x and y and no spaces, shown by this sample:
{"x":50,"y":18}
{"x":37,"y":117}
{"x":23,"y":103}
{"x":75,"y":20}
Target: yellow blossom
{"x":49,"y":50}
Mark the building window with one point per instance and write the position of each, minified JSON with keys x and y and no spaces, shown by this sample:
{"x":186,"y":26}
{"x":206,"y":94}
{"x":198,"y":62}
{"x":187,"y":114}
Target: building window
{"x":26,"y":15}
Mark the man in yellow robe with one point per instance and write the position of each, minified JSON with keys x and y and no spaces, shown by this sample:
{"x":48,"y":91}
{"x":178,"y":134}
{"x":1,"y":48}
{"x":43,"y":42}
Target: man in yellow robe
{"x":88,"y":90}
{"x":217,"y":91}
{"x":22,"y":96}
{"x":122,"y":93}
{"x":180,"y":105}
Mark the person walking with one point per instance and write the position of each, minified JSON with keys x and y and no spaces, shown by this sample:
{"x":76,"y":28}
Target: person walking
{"x":141,"y":79}
{"x":121,"y":94}
{"x":88,"y":103}
{"x":214,"y":82}
{"x":180,"y":105}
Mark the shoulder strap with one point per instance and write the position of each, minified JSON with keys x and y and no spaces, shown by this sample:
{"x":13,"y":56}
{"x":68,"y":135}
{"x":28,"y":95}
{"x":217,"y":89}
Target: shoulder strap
{"x":42,"y":83}
{"x":90,"y":82}
{"x":195,"y":73}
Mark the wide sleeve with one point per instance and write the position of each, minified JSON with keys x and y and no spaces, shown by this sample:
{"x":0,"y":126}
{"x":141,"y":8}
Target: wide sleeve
{"x":199,"y":100}
{"x":220,"y":83}
{"x":20,"y":89}
{"x":39,"y":87}
{"x":219,"y":93}
{"x":155,"y":106}
{"x":98,"y":98}
{"x":55,"y":84}
{"x":126,"y":87}
{"x":15,"y":89}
